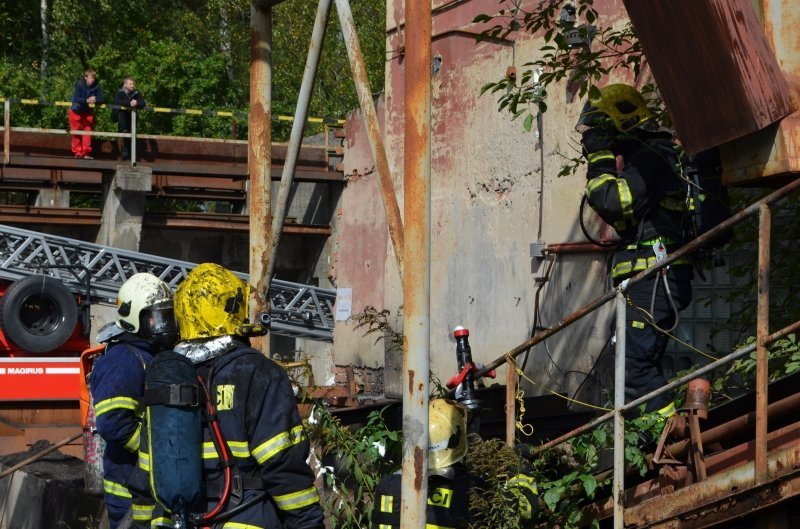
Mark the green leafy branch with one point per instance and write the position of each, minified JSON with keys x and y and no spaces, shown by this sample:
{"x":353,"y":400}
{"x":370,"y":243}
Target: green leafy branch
{"x":574,"y":49}
{"x":362,"y":457}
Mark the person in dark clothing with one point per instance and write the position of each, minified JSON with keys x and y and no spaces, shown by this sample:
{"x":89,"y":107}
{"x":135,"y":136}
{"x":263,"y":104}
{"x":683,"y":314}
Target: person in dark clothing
{"x":144,"y":326}
{"x":130,"y":98}
{"x":635,"y":184}
{"x":451,"y":481}
{"x":257,"y":416}
{"x":81,"y":115}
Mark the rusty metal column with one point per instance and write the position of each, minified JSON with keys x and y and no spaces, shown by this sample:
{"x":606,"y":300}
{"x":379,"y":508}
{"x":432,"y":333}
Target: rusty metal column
{"x":762,"y":331}
{"x":298,"y":127}
{"x":619,"y":420}
{"x":353,"y":45}
{"x":6,"y":131}
{"x":417,"y":259}
{"x":259,"y":154}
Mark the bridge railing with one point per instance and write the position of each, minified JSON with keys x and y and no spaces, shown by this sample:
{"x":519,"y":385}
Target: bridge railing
{"x":133,"y":135}
{"x":762,"y":208}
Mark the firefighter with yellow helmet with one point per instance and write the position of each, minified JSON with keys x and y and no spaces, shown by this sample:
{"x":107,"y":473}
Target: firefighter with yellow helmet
{"x":252,"y":425}
{"x":635,"y":184}
{"x":449,"y":480}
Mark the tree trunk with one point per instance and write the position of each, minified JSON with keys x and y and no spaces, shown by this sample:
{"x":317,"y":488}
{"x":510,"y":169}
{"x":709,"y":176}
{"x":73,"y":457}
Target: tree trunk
{"x":45,"y":51}
{"x":225,"y":39}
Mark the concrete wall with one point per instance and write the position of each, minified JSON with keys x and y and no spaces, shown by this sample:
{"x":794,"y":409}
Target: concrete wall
{"x":487,"y":193}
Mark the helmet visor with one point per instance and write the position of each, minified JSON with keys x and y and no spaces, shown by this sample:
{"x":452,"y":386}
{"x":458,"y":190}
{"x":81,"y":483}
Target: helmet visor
{"x":158,"y":324}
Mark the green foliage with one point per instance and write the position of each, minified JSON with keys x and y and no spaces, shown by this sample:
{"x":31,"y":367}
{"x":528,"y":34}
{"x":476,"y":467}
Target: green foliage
{"x":183,"y":54}
{"x":783,"y":359}
{"x":490,"y":500}
{"x":362,"y":458}
{"x":575,"y":50}
{"x":573,"y":475}
{"x":377,"y":322}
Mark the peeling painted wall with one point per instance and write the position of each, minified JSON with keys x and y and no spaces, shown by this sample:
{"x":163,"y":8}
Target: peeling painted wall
{"x":486,"y":189}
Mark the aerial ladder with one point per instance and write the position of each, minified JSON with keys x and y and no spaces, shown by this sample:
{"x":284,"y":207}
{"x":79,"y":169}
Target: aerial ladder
{"x":39,"y":271}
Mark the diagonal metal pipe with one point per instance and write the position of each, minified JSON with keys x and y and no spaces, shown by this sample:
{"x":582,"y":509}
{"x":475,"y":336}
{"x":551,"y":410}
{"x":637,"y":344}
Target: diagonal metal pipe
{"x":298,"y":127}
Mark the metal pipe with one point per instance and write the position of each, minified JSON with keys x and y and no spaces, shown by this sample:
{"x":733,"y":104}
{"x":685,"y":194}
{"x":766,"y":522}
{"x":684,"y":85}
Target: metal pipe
{"x":747,"y":349}
{"x":417,"y":256}
{"x":259,"y":159}
{"x":298,"y":127}
{"x":619,"y":421}
{"x":678,"y":254}
{"x":6,"y":131}
{"x":762,"y":330}
{"x":133,"y":137}
{"x":511,"y":402}
{"x":393,"y":219}
{"x":580,"y":247}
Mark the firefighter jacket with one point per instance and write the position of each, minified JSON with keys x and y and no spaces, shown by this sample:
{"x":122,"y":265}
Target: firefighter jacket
{"x":448,"y":503}
{"x":116,"y":383}
{"x":448,"y":499}
{"x":258,"y":417}
{"x":645,"y":202}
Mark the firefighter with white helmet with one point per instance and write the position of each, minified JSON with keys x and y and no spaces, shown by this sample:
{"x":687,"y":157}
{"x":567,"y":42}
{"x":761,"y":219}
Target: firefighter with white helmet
{"x":144,"y":325}
{"x":254,"y":414}
{"x":635,"y":184}
{"x":449,"y":479}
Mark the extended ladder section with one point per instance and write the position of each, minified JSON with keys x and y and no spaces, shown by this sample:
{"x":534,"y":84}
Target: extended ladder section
{"x":97,"y":271}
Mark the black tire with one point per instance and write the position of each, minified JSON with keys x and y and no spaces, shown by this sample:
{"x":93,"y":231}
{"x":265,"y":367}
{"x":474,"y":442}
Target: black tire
{"x":38,"y":313}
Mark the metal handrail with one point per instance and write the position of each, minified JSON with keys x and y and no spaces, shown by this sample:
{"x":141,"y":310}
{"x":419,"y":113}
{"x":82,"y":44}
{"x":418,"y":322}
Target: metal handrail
{"x":760,"y":345}
{"x":7,"y":132}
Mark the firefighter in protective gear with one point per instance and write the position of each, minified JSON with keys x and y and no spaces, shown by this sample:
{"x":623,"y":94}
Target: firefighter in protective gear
{"x":449,"y":479}
{"x":635,"y":184}
{"x":145,"y":324}
{"x":256,"y":411}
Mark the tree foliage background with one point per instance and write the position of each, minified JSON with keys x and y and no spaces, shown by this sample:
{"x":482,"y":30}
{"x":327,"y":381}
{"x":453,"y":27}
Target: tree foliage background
{"x":183,"y":54}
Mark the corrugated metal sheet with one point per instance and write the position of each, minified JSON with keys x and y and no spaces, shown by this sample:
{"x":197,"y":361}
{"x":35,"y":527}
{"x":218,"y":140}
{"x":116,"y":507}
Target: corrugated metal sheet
{"x":714,"y":65}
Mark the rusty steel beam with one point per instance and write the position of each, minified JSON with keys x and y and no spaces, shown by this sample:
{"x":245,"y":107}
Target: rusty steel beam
{"x":393,"y":219}
{"x":417,"y":262}
{"x":35,"y":215}
{"x":775,"y":411}
{"x":721,"y":497}
{"x":298,"y":126}
{"x":44,"y":143}
{"x":260,"y":157}
{"x":762,"y":330}
{"x":649,"y":501}
{"x":237,"y":171}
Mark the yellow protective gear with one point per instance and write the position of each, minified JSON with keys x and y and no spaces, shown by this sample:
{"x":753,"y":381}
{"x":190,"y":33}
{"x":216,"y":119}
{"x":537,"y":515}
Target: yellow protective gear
{"x":212,"y":301}
{"x":447,"y":433}
{"x":623,"y":104}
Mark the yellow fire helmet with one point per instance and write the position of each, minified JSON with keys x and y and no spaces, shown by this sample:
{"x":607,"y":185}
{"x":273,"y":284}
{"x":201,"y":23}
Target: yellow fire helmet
{"x":622,"y":103}
{"x":211,"y":302}
{"x":447,"y":433}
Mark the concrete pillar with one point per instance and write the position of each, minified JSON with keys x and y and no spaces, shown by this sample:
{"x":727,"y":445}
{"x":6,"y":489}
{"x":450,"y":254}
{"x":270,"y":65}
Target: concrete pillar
{"x":53,"y":198}
{"x":123,"y":207}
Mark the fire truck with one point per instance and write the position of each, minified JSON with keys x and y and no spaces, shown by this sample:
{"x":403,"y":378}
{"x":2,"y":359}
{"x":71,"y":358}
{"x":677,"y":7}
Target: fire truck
{"x":49,"y":283}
